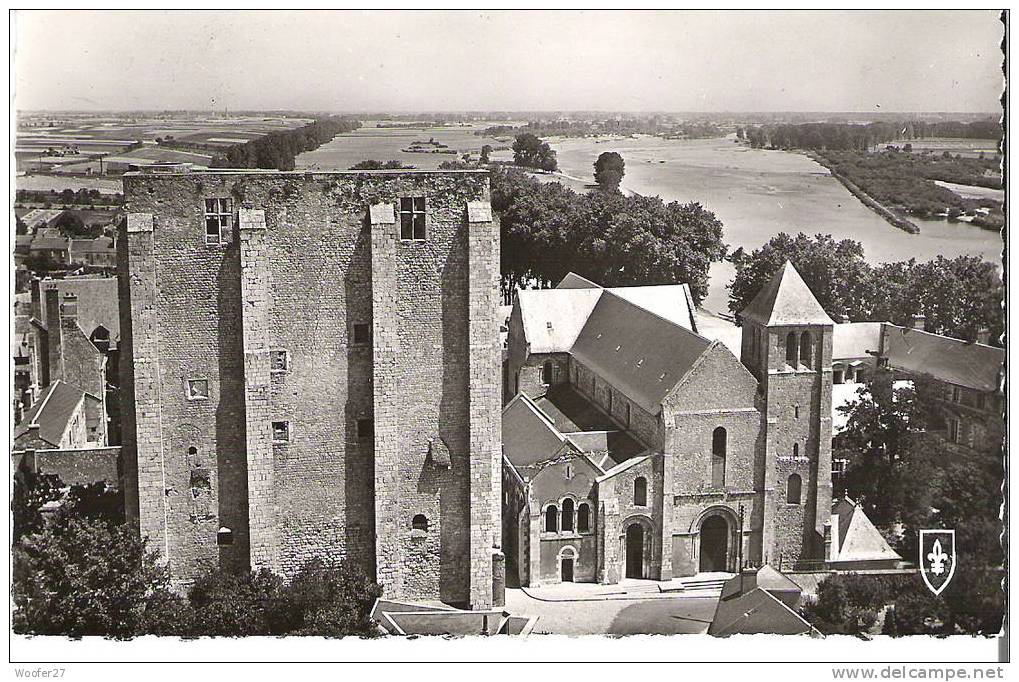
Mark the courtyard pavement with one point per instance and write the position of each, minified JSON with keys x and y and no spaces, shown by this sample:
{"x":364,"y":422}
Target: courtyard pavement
{"x":633,"y":607}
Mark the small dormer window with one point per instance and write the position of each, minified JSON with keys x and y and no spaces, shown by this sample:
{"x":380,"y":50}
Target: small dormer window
{"x":640,"y":362}
{"x":661,"y":377}
{"x":617,"y":348}
{"x":412,"y":218}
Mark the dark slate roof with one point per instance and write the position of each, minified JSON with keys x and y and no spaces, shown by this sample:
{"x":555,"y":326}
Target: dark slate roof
{"x":49,"y":243}
{"x":528,"y":436}
{"x":98,"y":302}
{"x":757,"y":612}
{"x":52,"y":412}
{"x":641,"y":354}
{"x":786,"y":300}
{"x":571,"y":412}
{"x":97,"y":245}
{"x":972,"y":365}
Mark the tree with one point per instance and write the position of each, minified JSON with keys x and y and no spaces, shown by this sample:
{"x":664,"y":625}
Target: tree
{"x":530,"y":152}
{"x":71,"y":225}
{"x":608,"y":171}
{"x":79,"y":576}
{"x":240,"y":604}
{"x":332,"y":599}
{"x":486,"y":152}
{"x":32,"y":490}
{"x":835,"y":272}
{"x":958,"y":297}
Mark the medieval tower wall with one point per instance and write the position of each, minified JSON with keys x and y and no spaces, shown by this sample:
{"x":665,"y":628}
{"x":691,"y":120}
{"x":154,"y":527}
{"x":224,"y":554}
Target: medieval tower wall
{"x":307,"y":383}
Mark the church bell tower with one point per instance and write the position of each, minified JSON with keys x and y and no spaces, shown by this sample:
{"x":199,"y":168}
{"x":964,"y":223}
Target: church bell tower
{"x":787,"y":345}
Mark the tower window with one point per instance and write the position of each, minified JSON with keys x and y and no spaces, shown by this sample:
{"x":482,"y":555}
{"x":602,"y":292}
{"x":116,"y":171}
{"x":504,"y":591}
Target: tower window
{"x":412,"y":218}
{"x":198,"y":389}
{"x":640,"y":492}
{"x":796,"y":411}
{"x":281,"y":432}
{"x":551,"y":519}
{"x":718,"y":449}
{"x":218,"y":219}
{"x":796,"y":449}
{"x":794,"y":489}
{"x":279,"y":361}
{"x":567,"y":516}
{"x":806,"y":349}
{"x":627,"y":415}
{"x":224,"y":537}
{"x":419,"y":522}
{"x":583,"y":518}
{"x":791,"y":350}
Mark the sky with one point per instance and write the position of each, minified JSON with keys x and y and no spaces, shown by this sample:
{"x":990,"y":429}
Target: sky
{"x":370,"y":61}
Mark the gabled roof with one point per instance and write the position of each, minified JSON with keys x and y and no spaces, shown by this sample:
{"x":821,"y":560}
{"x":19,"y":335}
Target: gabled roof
{"x":757,"y":612}
{"x":765,"y":578}
{"x":674,"y":302}
{"x":786,"y":300}
{"x":855,"y":340}
{"x":528,"y":436}
{"x":97,"y":245}
{"x":554,"y":317}
{"x":641,"y":354}
{"x":49,"y":243}
{"x":973,"y":365}
{"x":858,"y":539}
{"x":52,"y":412}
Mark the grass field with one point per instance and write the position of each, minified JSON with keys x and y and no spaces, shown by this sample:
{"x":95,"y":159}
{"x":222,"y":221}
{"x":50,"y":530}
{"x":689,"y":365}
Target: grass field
{"x":953,"y":145}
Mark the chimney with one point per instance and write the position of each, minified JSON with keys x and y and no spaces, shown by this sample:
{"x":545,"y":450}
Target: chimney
{"x":918,"y":322}
{"x":54,"y":367}
{"x":69,"y":308}
{"x":983,"y":335}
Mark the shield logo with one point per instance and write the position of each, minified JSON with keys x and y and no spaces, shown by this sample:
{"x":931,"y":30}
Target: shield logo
{"x":937,"y":558}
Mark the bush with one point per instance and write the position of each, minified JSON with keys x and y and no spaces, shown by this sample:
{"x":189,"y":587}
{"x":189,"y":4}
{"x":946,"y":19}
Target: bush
{"x":239,"y":604}
{"x":332,"y":600}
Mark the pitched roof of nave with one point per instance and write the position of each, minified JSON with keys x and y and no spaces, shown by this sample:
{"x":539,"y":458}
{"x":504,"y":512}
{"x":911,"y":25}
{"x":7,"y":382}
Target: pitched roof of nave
{"x":786,"y":300}
{"x":553,"y":318}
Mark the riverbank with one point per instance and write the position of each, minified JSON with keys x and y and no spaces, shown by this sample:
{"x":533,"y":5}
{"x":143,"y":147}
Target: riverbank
{"x":888,"y":214}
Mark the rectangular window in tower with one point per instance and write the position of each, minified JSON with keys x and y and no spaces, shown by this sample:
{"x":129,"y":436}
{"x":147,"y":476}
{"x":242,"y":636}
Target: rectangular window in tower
{"x":281,"y":432}
{"x":279,"y":361}
{"x":412,"y":218}
{"x":953,"y":430}
{"x":197,"y":389}
{"x":218,"y":220}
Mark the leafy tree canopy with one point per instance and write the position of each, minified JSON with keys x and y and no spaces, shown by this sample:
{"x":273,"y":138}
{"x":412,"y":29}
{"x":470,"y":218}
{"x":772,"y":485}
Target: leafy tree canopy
{"x":609,"y":170}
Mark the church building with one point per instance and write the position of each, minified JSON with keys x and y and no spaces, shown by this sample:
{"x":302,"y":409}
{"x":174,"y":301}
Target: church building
{"x":634,"y":447}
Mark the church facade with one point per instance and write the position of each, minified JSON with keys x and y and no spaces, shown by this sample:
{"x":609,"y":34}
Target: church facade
{"x":634,"y":447}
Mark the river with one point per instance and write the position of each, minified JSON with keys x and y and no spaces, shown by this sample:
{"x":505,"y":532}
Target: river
{"x":755,"y":193}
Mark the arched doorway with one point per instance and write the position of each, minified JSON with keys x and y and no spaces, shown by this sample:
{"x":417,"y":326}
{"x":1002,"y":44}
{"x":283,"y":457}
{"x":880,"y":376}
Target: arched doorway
{"x":714,"y":544}
{"x":567,"y":563}
{"x":635,"y":551}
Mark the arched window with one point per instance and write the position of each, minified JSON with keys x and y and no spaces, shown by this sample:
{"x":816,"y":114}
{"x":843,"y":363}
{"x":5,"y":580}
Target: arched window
{"x":796,"y":449}
{"x":640,"y":492}
{"x":546,"y":372}
{"x":718,"y":446}
{"x":551,"y":519}
{"x":567,"y":522}
{"x":101,"y":338}
{"x":792,"y":495}
{"x":420,"y":522}
{"x":806,"y":349}
{"x":583,"y":518}
{"x":791,"y":349}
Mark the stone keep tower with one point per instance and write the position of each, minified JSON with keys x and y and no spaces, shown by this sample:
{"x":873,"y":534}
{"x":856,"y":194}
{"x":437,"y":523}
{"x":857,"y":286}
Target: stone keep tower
{"x":787,"y":344}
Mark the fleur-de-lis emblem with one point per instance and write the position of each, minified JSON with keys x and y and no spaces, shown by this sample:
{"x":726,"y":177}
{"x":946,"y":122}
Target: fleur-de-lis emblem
{"x":937,"y":558}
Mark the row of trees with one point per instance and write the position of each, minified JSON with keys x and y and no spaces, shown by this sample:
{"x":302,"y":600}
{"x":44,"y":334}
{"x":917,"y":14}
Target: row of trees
{"x":279,"y":150}
{"x":82,"y":571}
{"x":957,"y":296}
{"x":843,"y":136}
{"x":549,"y":230}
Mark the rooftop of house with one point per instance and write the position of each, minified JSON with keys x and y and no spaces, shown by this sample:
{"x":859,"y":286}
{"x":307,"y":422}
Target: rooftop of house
{"x":785,"y":300}
{"x":765,"y":578}
{"x":963,"y":363}
{"x":97,"y":245}
{"x":52,"y":412}
{"x":98,"y":303}
{"x":49,"y":243}
{"x":757,"y":612}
